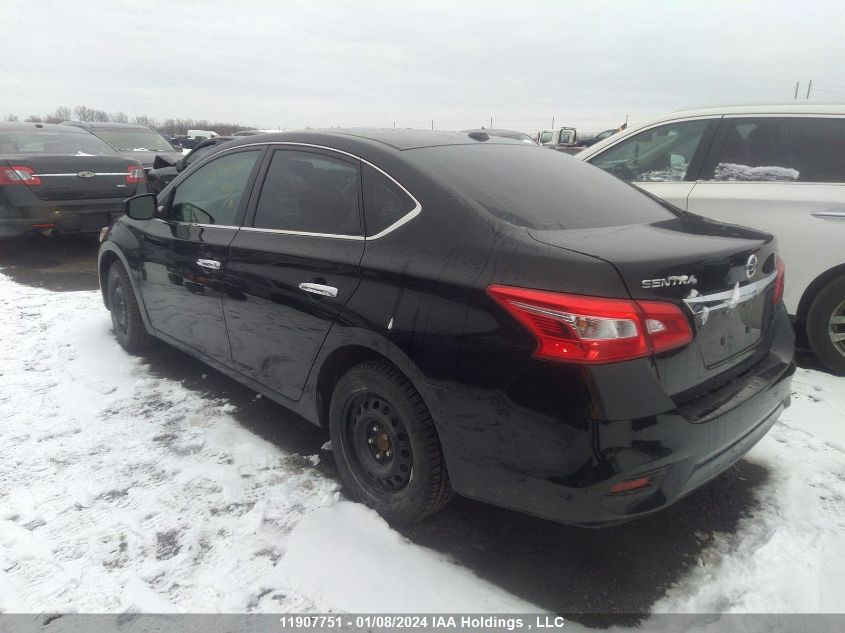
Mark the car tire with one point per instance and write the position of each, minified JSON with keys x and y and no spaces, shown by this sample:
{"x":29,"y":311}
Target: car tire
{"x":385,"y":444}
{"x":826,"y":324}
{"x":126,"y":317}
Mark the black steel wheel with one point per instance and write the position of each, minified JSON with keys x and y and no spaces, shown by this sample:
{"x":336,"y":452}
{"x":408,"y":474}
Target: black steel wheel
{"x":826,"y":326}
{"x":125,"y":314}
{"x":385,"y":444}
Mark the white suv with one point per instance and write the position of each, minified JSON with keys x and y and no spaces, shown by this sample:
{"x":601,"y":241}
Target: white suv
{"x":777,"y":168}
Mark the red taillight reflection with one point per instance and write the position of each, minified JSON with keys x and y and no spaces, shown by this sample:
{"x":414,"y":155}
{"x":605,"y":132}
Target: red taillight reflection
{"x":135,"y":175}
{"x":582,"y":329}
{"x":18,"y":175}
{"x":777,"y":297}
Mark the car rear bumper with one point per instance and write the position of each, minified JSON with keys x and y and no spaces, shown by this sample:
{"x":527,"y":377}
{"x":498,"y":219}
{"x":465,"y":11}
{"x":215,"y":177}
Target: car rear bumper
{"x":79,"y":216}
{"x":677,"y":451}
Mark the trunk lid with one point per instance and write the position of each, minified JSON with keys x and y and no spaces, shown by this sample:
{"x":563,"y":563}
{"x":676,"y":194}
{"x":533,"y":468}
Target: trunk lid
{"x":66,"y":177}
{"x":721,"y":276}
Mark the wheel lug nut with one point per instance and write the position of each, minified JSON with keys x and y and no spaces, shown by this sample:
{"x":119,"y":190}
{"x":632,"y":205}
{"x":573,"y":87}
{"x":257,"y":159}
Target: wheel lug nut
{"x":372,"y":440}
{"x":388,"y":453}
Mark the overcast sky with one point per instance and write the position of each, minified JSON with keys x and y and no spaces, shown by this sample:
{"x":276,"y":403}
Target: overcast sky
{"x":294,"y":64}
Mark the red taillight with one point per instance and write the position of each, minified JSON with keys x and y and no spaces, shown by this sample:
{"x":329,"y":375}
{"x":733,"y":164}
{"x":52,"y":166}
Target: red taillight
{"x":581,"y":329}
{"x":631,"y":484}
{"x":777,"y":297}
{"x":18,"y":175}
{"x":135,"y":175}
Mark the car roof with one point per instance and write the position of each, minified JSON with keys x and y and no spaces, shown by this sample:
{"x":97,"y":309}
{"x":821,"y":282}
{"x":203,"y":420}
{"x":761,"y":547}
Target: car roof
{"x":106,"y":125}
{"x":400,"y":139}
{"x":769,"y":108}
{"x":493,"y":131}
{"x":836,"y":109}
{"x":52,"y":127}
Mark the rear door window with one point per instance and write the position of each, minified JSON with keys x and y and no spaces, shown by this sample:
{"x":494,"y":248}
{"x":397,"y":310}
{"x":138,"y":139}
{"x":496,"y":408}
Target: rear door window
{"x":305,"y":192}
{"x":779,"y":149}
{"x":659,"y":154}
{"x":385,"y":202}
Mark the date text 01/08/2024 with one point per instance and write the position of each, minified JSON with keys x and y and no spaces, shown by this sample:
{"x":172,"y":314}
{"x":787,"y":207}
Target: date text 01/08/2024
{"x":437,"y":622}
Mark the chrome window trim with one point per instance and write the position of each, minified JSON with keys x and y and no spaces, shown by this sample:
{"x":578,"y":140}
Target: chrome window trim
{"x":725,"y":299}
{"x":205,"y":226}
{"x":75,"y":174}
{"x":401,"y":221}
{"x":334,"y":236}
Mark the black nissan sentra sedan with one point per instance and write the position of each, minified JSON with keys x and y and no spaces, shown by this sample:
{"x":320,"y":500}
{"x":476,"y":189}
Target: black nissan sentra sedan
{"x":465,"y":314}
{"x":60,"y":179}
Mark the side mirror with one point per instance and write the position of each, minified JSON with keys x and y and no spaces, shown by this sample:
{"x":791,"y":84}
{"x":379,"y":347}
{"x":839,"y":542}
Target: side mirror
{"x":141,"y":207}
{"x":180,"y":164}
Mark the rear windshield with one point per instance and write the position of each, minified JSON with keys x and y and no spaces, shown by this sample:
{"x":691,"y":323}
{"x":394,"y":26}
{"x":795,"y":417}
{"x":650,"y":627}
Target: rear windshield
{"x":50,"y":142}
{"x":135,"y":140}
{"x":539,"y":188}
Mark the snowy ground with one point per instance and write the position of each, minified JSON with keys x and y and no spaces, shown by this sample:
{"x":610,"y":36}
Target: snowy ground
{"x":121,"y":490}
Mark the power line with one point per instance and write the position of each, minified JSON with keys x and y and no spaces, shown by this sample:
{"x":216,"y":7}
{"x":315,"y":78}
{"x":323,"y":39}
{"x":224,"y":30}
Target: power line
{"x":833,"y":92}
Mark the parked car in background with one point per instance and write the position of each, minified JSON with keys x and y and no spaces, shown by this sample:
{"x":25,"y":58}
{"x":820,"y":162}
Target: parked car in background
{"x":164,"y":170}
{"x":562,"y":139}
{"x":778,"y":168}
{"x":464,"y":313}
{"x":592,"y":140}
{"x":201,"y":135}
{"x":60,"y":179}
{"x":132,"y":141}
{"x":171,"y":138}
{"x":511,"y":134}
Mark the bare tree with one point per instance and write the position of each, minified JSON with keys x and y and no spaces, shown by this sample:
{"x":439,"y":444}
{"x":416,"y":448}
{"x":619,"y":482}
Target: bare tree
{"x":144,"y":120}
{"x":62,"y":113}
{"x":11,"y":117}
{"x":34,"y":118}
{"x":168,"y":126}
{"x":83,"y":113}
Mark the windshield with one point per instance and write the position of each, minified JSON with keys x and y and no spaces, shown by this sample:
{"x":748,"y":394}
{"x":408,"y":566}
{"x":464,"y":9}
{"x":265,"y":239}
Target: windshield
{"x":135,"y":140}
{"x":51,"y":142}
{"x":539,"y":189}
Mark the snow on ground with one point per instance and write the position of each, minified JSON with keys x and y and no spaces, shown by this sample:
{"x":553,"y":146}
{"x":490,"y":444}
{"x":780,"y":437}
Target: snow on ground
{"x":123,"y":491}
{"x":120,"y":490}
{"x":787,"y":556}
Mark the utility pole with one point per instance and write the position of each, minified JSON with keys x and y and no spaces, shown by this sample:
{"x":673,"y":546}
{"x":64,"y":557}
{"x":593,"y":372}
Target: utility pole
{"x":797,"y":83}
{"x":432,"y":124}
{"x":491,"y":123}
{"x":810,"y":85}
{"x":553,"y":123}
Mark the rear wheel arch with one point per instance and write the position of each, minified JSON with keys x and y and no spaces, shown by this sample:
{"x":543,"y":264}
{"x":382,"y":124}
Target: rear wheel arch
{"x":334,"y":367}
{"x":106,"y":261}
